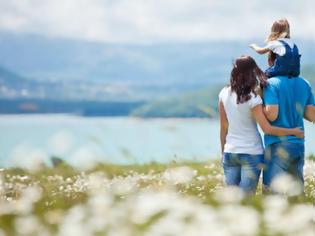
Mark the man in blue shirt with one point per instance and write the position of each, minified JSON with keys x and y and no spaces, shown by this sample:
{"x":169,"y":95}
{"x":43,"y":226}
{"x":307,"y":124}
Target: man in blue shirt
{"x":287,"y":101}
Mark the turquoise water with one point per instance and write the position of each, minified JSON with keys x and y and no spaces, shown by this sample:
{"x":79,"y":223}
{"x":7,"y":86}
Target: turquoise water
{"x":25,"y":138}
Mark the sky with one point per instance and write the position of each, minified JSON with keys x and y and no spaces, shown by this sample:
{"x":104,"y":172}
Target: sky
{"x":150,"y":21}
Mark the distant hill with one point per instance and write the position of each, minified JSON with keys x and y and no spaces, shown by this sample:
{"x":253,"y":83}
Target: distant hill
{"x":16,"y":86}
{"x":200,"y":103}
{"x":190,"y":103}
{"x":7,"y":74}
{"x":167,"y":79}
{"x":308,"y":72}
{"x":20,"y":95}
{"x":50,"y":59}
{"x":82,"y":108}
{"x":13,"y":85}
{"x":197,"y":64}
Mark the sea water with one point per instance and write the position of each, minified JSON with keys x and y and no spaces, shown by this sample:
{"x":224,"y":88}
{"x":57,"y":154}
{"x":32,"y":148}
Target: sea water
{"x":122,"y":140}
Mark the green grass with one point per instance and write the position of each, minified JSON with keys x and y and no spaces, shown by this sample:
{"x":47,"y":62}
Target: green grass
{"x":64,"y":189}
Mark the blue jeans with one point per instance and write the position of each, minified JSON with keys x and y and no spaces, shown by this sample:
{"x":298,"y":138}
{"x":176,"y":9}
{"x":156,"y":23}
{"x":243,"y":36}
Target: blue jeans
{"x":283,"y":158}
{"x":242,"y":170}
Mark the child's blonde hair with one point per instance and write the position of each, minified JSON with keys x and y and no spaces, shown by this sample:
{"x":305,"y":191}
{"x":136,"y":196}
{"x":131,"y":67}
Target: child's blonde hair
{"x":279,"y":29}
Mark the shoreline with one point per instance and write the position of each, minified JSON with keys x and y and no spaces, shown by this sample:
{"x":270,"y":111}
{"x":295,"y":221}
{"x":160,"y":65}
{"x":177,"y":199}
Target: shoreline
{"x":72,"y":115}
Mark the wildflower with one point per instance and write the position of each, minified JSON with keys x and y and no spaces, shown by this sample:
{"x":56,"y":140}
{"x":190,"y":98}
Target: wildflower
{"x":229,"y":194}
{"x":236,"y":218}
{"x":95,"y":182}
{"x":179,"y":175}
{"x":287,"y":185}
{"x":27,"y":225}
{"x":29,"y":196}
{"x":280,"y":222}
{"x":54,"y":216}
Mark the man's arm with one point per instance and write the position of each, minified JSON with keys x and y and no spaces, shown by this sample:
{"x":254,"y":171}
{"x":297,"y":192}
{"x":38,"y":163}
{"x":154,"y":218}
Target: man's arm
{"x":271,"y":112}
{"x":309,"y":113}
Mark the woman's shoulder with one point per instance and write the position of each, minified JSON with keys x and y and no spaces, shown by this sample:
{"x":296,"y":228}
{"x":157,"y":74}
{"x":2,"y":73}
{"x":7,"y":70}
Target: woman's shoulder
{"x":226,"y":88}
{"x":224,"y":91}
{"x":255,"y":100}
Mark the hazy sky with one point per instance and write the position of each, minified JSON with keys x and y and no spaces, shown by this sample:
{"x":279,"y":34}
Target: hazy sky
{"x":141,"y":21}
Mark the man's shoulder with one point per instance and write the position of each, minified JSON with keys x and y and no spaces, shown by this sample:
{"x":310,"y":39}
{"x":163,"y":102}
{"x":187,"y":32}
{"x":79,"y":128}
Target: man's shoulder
{"x":304,"y":81}
{"x":274,"y":81}
{"x":284,"y":79}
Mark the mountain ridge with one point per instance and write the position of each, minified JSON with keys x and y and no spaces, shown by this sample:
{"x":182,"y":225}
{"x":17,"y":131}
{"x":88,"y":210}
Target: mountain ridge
{"x":49,"y":59}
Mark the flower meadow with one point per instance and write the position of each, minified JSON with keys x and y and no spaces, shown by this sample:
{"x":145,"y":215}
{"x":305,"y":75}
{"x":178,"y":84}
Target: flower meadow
{"x":153,"y":199}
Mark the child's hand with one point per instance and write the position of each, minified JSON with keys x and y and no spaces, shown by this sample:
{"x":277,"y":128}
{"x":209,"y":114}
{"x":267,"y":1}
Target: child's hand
{"x":253,"y":46}
{"x":259,"y":49}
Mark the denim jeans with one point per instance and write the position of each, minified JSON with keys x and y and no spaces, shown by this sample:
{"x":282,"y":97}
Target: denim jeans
{"x":242,"y":170}
{"x":283,"y":158}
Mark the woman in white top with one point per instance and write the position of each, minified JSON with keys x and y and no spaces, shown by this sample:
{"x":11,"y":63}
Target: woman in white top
{"x":240,"y":110}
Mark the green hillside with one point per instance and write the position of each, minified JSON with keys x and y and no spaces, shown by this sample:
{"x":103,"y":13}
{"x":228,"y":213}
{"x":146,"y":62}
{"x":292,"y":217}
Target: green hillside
{"x":201,"y":103}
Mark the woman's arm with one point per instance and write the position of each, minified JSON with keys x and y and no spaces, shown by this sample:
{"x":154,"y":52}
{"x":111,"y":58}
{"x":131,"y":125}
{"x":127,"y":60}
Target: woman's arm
{"x":273,"y":130}
{"x":224,"y":125}
{"x":271,"y":112}
{"x":258,"y":49}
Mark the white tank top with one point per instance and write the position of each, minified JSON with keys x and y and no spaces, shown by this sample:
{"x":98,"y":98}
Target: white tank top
{"x":243,"y":135}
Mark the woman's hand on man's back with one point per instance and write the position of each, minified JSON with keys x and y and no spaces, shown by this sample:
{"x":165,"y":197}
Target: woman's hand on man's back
{"x":298,"y":132}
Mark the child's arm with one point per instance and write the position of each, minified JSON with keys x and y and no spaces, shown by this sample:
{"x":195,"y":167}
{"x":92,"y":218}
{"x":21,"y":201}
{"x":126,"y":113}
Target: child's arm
{"x":273,"y":130}
{"x":259,"y":49}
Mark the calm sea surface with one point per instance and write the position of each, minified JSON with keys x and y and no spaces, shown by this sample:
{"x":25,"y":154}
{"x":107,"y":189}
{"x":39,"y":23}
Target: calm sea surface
{"x":25,"y":138}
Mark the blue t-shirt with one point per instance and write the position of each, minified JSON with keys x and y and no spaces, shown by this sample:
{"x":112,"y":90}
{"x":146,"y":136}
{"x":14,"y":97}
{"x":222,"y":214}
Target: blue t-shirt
{"x":292,"y":95}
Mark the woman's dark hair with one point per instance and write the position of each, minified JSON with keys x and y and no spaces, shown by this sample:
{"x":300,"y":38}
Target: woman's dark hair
{"x":245,"y":76}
